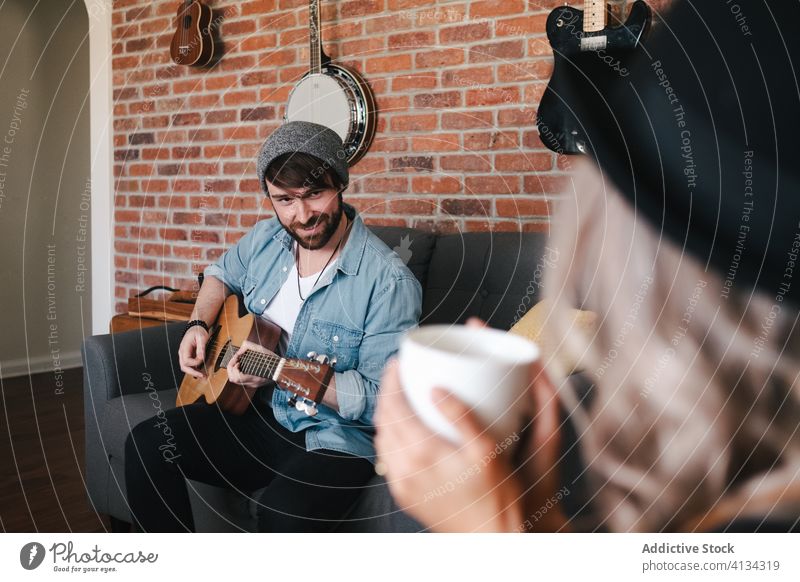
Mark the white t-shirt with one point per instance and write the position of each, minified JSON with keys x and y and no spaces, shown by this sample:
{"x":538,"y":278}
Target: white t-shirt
{"x":285,"y":306}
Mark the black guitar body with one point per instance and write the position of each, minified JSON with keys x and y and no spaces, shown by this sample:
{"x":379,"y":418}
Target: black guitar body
{"x":585,"y":61}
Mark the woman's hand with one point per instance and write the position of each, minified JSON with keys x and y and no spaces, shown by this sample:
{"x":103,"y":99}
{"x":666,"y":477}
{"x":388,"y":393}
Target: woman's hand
{"x":470,"y":487}
{"x":447,"y":487}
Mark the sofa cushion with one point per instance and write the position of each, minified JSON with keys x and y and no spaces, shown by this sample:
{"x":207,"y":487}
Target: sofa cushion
{"x":494,"y":276}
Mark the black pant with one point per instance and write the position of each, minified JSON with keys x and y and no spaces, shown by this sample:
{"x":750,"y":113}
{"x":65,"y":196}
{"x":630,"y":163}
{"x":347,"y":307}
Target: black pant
{"x":306,"y":491}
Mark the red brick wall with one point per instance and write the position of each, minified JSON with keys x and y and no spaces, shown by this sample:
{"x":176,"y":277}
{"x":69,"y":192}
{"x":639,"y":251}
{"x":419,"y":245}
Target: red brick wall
{"x":457,"y":83}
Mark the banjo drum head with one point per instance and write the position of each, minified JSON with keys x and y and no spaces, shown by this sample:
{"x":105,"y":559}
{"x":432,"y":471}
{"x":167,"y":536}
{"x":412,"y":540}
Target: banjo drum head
{"x":321,"y":99}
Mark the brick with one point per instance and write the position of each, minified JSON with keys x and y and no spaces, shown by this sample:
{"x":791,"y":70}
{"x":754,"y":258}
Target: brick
{"x":438,"y":100}
{"x":521,"y":25}
{"x":186,"y":186}
{"x":436,"y":143}
{"x":466,"y":206}
{"x":360,"y":8}
{"x":240,"y":97}
{"x":223,"y":82}
{"x":367,"y":205}
{"x":492,"y":184}
{"x":187,"y":119}
{"x":173,"y":234}
{"x":467,"y":119}
{"x":203,"y":168}
{"x":258,"y":113}
{"x":417,"y":40}
{"x":259,"y":78}
{"x":522,"y":207}
{"x":140,"y":169}
{"x":465,"y":34}
{"x":544,"y":184}
{"x":412,"y":162}
{"x":436,"y":185}
{"x":497,"y":52}
{"x":494,"y":8}
{"x":537,"y":69}
{"x":414,"y":122}
{"x":491,"y":140}
{"x":516,"y":117}
{"x":221,"y":116}
{"x":155,"y":154}
{"x":389,"y":64}
{"x":466,"y":163}
{"x":180,"y":153}
{"x":169,"y":169}
{"x":386,"y":185}
{"x":414,"y":81}
{"x":525,"y":162}
{"x":413,"y":206}
{"x":493,"y":96}
{"x":441,"y":16}
{"x":470,"y":78}
{"x":126,"y":155}
{"x":439,"y":58}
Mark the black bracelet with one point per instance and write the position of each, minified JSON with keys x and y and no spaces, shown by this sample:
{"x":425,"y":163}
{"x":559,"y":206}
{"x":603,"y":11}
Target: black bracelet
{"x":193,"y":323}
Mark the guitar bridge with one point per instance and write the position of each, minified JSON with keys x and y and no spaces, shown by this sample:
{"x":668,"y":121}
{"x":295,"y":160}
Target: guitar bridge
{"x":594,"y":43}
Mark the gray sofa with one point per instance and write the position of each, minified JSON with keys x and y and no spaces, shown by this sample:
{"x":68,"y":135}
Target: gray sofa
{"x":489,"y":275}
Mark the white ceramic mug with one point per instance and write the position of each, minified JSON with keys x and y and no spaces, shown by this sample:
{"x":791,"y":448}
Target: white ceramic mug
{"x":485,"y":368}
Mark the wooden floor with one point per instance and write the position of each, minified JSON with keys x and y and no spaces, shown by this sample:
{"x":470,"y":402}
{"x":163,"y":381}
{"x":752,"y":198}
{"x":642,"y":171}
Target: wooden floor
{"x":41,"y":456}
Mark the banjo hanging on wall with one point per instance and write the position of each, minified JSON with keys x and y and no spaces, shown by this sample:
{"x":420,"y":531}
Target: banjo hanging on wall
{"x":334,"y":96}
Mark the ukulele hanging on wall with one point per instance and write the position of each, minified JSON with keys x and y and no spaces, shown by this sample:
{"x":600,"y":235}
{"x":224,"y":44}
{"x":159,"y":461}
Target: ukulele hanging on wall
{"x":192,"y":43}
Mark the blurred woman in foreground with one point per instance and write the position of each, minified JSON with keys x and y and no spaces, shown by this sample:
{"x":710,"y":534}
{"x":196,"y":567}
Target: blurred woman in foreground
{"x":683,"y":236}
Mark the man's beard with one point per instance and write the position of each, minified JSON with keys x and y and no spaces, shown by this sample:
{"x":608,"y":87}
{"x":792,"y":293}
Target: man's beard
{"x":329,"y":222}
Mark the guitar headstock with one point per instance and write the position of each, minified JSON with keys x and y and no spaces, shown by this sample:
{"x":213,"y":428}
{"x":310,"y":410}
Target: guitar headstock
{"x":307,"y":380}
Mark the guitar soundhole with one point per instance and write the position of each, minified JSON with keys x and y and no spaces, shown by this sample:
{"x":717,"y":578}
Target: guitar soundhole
{"x":187,"y":21}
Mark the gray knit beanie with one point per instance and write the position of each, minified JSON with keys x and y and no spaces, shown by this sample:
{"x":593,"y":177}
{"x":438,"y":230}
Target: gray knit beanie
{"x":306,"y":137}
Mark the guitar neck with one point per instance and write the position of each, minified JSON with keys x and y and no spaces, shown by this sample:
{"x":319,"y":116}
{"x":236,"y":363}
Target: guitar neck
{"x":595,"y":15}
{"x":307,"y":379}
{"x":315,"y":39}
{"x":254,"y":363}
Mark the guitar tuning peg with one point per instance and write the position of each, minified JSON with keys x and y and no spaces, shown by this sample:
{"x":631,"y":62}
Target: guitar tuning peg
{"x":332,"y":362}
{"x":292,"y":400}
{"x":322,"y":359}
{"x":311,"y":355}
{"x":311,"y":409}
{"x":301,"y":406}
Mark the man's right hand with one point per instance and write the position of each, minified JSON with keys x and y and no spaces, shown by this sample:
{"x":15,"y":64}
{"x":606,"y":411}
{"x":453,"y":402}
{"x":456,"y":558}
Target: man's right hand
{"x":192,"y":351}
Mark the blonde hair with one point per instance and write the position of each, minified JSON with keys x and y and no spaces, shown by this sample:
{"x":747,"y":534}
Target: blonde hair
{"x":694,"y":414}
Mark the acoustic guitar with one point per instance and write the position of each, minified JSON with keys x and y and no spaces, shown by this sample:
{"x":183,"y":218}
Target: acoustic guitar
{"x":587,"y":55}
{"x":333,"y":95}
{"x":192,"y":43}
{"x":307,"y":380}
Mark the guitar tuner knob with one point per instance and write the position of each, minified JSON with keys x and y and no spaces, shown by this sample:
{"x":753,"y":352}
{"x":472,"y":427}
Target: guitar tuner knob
{"x":311,"y":355}
{"x":292,"y":400}
{"x":311,"y":409}
{"x":322,"y":359}
{"x":301,"y":406}
{"x":332,"y":362}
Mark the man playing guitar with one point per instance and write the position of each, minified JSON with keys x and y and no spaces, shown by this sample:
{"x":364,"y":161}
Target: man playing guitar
{"x":333,"y":288}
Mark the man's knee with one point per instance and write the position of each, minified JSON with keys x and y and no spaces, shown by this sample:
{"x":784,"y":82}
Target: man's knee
{"x":149,"y":443}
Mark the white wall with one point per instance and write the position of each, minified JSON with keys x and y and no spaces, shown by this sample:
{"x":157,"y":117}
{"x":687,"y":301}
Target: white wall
{"x":45,"y":209}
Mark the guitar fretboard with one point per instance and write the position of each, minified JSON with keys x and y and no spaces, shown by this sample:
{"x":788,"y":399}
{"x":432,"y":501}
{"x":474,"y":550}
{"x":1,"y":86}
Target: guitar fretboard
{"x":251,"y":362}
{"x":594,"y":15}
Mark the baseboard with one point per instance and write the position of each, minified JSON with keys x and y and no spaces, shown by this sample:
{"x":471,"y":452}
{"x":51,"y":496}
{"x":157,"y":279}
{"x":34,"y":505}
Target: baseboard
{"x":39,"y":364}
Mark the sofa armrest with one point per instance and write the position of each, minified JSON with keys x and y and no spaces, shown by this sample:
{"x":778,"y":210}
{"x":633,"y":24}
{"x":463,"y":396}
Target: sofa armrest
{"x":126,"y":363}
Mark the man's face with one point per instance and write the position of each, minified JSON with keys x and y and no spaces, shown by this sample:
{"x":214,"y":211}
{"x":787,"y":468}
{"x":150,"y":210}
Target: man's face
{"x":309,"y":216}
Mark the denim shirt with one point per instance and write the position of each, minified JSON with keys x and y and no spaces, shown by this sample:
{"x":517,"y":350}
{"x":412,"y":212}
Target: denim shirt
{"x":357,"y":313}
